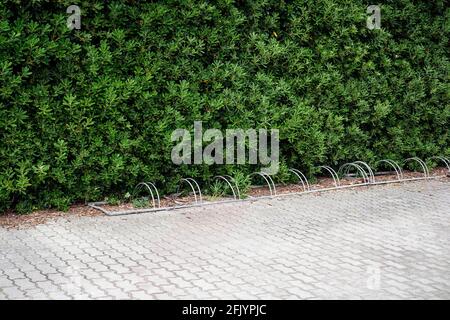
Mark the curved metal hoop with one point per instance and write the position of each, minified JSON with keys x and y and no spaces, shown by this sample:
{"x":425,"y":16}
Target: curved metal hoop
{"x":357,"y":167}
{"x":235,"y":185}
{"x":334,"y":175}
{"x":190,"y":181}
{"x":269,"y":181}
{"x":444,"y":160}
{"x":369,"y":170}
{"x":393,"y":164}
{"x":225,"y":178}
{"x":302,"y":178}
{"x":422,"y":164}
{"x":141,"y":185}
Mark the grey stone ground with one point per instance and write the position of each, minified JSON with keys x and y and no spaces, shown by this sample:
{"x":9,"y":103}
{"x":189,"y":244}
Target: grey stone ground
{"x":384,"y":242}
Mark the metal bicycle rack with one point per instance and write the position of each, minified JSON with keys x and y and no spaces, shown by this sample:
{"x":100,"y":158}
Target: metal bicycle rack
{"x":147,"y":185}
{"x":230,"y":181}
{"x":302,"y":178}
{"x":333,"y":173}
{"x":363,"y":170}
{"x":443,"y":159}
{"x":196,"y":191}
{"x":370,"y":173}
{"x":359,"y":169}
{"x":421,"y":163}
{"x":397,"y":168}
{"x":269,"y":181}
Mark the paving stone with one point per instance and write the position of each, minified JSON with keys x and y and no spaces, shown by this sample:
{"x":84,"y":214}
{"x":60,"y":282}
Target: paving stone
{"x":13,"y":293}
{"x":5,"y":282}
{"x":383,"y":242}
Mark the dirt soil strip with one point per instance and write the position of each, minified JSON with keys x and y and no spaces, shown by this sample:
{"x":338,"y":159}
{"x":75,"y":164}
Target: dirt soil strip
{"x":12,"y":220}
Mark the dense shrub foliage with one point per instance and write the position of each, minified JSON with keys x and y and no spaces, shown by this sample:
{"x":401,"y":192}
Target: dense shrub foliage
{"x":88,"y":113}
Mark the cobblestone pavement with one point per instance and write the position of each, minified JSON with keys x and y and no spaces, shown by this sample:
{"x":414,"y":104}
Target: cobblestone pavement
{"x":381,"y":242}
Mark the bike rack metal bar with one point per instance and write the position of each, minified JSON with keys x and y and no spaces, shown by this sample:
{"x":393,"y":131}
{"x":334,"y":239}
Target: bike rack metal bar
{"x":271,"y":185}
{"x":140,"y":185}
{"x":358,"y":168}
{"x":188,"y":181}
{"x":364,"y":173}
{"x":422,"y":164}
{"x":369,"y":169}
{"x":229,"y":184}
{"x":157,"y":193}
{"x":396,"y":167}
{"x":235,"y":184}
{"x":302,"y":178}
{"x":199,"y":190}
{"x":443,"y":159}
{"x":333,"y":173}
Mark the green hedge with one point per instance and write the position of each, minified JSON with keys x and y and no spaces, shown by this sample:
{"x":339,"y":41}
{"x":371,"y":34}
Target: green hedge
{"x":88,"y":113}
